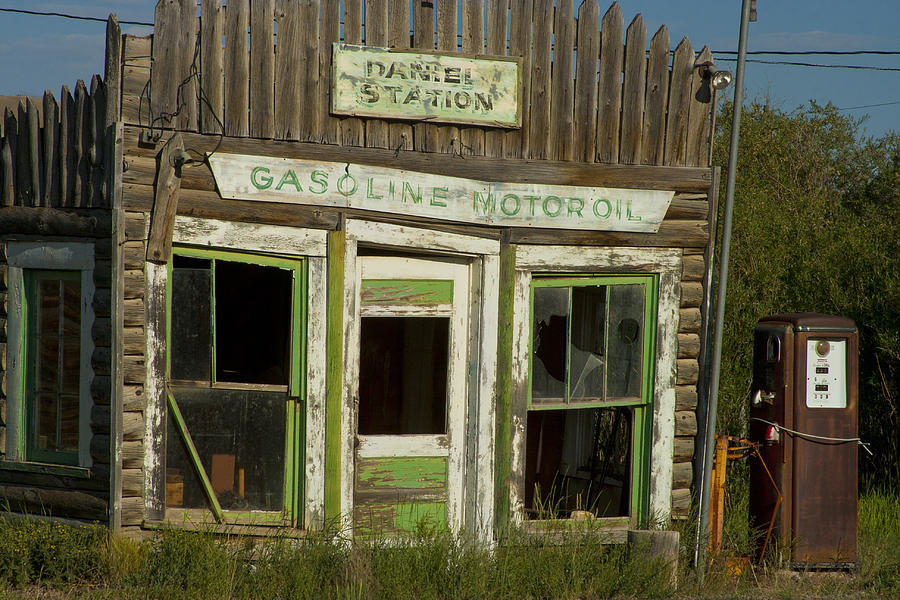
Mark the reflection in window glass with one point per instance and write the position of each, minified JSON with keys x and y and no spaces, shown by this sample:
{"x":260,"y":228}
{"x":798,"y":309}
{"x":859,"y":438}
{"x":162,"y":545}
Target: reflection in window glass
{"x":239,"y":436}
{"x":53,"y":346}
{"x":626,"y":339}
{"x":586,"y":347}
{"x":578,"y":459}
{"x":550,"y":327}
{"x":587,"y":343}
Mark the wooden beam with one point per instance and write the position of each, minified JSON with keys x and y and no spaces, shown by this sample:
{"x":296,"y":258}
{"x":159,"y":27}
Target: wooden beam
{"x":165,"y":202}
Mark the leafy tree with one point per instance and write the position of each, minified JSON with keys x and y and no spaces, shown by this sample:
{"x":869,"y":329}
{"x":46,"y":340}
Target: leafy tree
{"x":816,"y":228}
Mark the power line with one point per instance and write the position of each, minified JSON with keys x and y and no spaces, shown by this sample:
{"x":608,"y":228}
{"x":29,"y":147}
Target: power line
{"x":68,"y":16}
{"x":869,"y":105}
{"x":819,"y":65}
{"x":815,"y":52}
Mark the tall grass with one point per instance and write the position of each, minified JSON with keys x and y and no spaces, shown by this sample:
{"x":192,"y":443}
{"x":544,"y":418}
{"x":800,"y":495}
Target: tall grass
{"x":85,"y":563}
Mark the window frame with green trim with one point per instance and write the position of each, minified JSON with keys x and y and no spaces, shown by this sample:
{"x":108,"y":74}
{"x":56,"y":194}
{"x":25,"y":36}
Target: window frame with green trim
{"x":570,"y":331}
{"x":257,"y":368}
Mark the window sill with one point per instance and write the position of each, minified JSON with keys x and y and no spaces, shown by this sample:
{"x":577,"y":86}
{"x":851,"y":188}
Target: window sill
{"x":46,"y":469}
{"x":610,"y":530}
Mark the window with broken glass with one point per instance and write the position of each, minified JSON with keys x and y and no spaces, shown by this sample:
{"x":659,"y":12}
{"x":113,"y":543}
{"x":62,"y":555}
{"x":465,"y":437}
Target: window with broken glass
{"x":235,"y":399}
{"x":590,"y":389}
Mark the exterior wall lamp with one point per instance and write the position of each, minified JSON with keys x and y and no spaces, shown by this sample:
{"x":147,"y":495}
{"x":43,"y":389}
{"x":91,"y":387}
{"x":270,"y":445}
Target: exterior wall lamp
{"x":719,"y":80}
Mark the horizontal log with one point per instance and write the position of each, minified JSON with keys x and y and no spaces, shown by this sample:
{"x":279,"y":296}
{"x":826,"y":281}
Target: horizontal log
{"x":102,"y":273}
{"x":101,"y":419}
{"x":136,"y":49}
{"x":136,"y":226}
{"x":132,"y":426}
{"x":688,"y":345}
{"x":132,"y":482}
{"x":134,"y":313}
{"x":100,"y":389}
{"x":61,"y":503}
{"x":101,"y":332}
{"x":133,"y":369}
{"x":142,"y":169}
{"x":100,"y":448}
{"x":689,"y":320}
{"x":679,"y":179}
{"x":686,"y":397}
{"x":134,"y":341}
{"x":685,"y":423}
{"x":684,"y":448}
{"x":132,"y":455}
{"x":134,"y":253}
{"x":100,"y":415}
{"x":132,"y":398}
{"x":690,"y":210}
{"x":134,"y":284}
{"x":101,"y":302}
{"x":41,"y":476}
{"x":25,"y":220}
{"x":681,"y":501}
{"x":688,"y":371}
{"x":101,"y":361}
{"x":682,"y":475}
{"x":670,"y":234}
{"x":135,"y":79}
{"x":132,"y":511}
{"x":691,"y":294}
{"x":209,"y":205}
{"x":693,"y":267}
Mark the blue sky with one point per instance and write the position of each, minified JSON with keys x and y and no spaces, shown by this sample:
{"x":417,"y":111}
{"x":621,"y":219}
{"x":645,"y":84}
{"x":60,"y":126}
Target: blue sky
{"x":38,"y":53}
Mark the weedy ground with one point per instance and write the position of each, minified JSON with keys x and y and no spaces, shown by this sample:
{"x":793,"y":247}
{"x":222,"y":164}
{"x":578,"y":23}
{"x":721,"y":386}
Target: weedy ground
{"x":40,"y":559}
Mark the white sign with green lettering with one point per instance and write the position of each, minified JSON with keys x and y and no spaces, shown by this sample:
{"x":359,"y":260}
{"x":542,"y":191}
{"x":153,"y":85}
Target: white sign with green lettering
{"x":397,"y":191}
{"x":378,"y":82}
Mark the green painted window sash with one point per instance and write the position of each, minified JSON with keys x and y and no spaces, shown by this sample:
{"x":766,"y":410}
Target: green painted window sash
{"x":295,"y":407}
{"x":642,"y":408}
{"x":28,"y":448}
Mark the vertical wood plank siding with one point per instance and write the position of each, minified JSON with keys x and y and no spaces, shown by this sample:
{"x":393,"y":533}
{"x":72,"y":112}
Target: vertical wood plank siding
{"x":212,"y":27}
{"x":52,"y":152}
{"x":262,"y":69}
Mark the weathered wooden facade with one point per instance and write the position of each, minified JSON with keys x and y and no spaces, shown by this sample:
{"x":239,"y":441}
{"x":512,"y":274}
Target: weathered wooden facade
{"x":302,"y":317}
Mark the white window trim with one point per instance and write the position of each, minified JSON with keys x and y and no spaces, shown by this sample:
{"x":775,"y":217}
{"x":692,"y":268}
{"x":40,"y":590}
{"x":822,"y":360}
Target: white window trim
{"x":66,"y":256}
{"x":665,"y":262}
{"x":484,"y":291}
{"x":308,"y":244}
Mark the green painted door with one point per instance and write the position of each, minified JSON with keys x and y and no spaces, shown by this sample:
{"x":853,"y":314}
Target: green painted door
{"x":411,"y":394}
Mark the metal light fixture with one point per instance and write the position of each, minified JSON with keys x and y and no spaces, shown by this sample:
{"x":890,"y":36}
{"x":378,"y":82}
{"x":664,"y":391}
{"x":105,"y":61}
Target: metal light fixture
{"x":719,"y":80}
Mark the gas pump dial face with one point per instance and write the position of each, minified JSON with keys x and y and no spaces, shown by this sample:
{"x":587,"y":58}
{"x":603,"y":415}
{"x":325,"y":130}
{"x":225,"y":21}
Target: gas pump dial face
{"x":826,"y":374}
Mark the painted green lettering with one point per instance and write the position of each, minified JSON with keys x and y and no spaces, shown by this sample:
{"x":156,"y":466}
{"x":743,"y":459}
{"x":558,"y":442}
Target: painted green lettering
{"x":289,"y":178}
{"x":320,"y":178}
{"x":547,"y":203}
{"x":630,"y":216}
{"x":608,"y":208}
{"x":341,"y":184}
{"x":416,"y":196}
{"x":370,"y":191}
{"x":438,"y":194}
{"x":531,"y":201}
{"x":514,"y":211}
{"x":488,"y":205}
{"x":575,"y":206}
{"x":261,"y":182}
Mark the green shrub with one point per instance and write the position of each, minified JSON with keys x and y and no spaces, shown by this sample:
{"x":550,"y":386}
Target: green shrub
{"x":39,"y":551}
